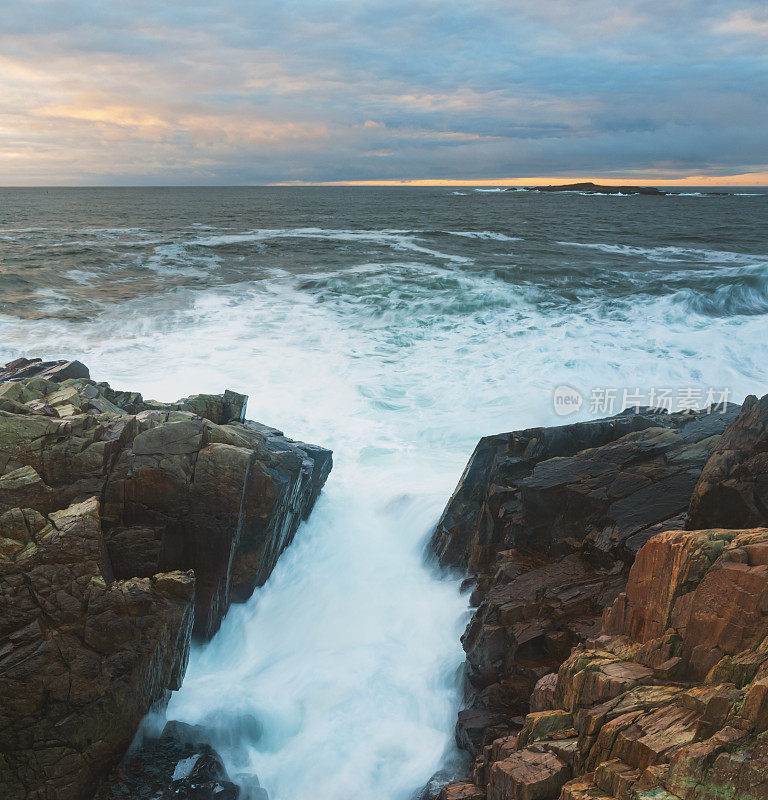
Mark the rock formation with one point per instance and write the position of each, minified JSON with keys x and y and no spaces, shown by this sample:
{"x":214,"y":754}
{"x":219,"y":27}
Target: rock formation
{"x":177,"y":764}
{"x":186,"y":485}
{"x":594,"y":188}
{"x":125,"y":525}
{"x":670,"y":701}
{"x":601,"y":487}
{"x":589,"y":680}
{"x":82,"y":656}
{"x":733,"y":488}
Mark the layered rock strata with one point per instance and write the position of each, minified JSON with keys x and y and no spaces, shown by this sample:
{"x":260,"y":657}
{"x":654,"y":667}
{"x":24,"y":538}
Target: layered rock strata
{"x":669,"y":702}
{"x":602,"y":487}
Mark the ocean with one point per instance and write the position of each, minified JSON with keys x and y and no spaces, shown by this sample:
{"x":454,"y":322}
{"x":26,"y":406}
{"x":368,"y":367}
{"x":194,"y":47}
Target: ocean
{"x":396,"y":326}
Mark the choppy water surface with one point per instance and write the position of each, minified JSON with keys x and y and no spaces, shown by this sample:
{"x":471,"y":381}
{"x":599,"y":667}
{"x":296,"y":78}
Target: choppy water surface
{"x":397,"y":327}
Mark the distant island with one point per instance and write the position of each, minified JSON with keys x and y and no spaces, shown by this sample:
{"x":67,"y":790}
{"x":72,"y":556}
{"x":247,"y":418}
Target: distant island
{"x":592,"y":188}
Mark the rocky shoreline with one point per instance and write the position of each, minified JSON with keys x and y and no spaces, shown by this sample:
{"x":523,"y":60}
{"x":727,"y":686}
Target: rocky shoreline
{"x":619,"y":646}
{"x":127,"y":527}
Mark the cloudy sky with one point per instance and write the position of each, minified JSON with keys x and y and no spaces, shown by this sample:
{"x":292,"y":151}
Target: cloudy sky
{"x":249,"y":91}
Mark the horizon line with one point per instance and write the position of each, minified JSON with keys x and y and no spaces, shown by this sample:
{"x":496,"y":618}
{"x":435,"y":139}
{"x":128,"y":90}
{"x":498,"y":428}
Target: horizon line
{"x":746,"y":180}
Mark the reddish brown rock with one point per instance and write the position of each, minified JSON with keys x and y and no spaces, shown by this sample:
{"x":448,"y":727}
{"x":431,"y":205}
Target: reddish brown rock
{"x":523,"y":630}
{"x":546,"y":519}
{"x":543,"y":695}
{"x":584,"y":788}
{"x":461,"y":790}
{"x":527,"y":775}
{"x":714,"y":595}
{"x":666,"y":694}
{"x":556,"y":724}
{"x":708,"y":770}
{"x":646,"y":610}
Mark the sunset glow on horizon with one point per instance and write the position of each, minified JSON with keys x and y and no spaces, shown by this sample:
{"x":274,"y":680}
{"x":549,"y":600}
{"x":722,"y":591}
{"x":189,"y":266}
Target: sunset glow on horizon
{"x":754,"y":179}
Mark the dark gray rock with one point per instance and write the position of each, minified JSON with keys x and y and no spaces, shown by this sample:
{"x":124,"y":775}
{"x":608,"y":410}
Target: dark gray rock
{"x":732,"y":491}
{"x":37,"y":368}
{"x":179,"y":764}
{"x":587,"y":187}
{"x":556,"y":490}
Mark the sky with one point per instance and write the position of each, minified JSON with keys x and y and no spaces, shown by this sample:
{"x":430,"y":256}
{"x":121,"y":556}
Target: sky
{"x":302,"y":91}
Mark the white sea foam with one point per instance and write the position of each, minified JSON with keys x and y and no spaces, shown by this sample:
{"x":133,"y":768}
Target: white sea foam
{"x":176,"y":259}
{"x":671,"y":253}
{"x":499,"y":237}
{"x":81,"y":276}
{"x":402,"y":240}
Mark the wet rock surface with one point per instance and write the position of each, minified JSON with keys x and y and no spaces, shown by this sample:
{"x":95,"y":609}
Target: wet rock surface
{"x":177,"y":764}
{"x":604,"y":486}
{"x":125,"y":527}
{"x":615,"y":655}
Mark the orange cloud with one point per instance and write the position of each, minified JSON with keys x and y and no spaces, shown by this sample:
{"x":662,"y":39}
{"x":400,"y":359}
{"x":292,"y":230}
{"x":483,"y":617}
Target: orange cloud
{"x":124,"y":116}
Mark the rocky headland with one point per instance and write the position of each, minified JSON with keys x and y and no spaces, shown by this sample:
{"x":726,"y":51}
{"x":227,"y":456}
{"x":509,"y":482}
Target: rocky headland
{"x":619,"y":646}
{"x":594,"y":188}
{"x":127,"y":527}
